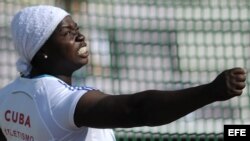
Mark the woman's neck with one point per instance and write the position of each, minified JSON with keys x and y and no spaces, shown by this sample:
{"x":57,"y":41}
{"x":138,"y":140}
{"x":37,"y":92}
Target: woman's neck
{"x":67,"y":78}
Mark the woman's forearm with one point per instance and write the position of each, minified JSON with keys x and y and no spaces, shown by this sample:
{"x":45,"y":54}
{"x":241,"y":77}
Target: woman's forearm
{"x":161,"y":107}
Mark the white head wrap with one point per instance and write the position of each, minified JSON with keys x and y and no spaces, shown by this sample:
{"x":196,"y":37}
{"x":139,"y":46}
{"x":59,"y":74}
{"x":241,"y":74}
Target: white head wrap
{"x":31,"y":27}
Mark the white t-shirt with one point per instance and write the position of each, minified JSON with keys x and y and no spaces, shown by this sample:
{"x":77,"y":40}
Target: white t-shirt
{"x":42,"y":109}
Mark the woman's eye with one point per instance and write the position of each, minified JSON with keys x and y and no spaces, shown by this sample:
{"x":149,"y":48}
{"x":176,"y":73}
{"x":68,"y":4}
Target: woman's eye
{"x":67,"y":33}
{"x":72,"y":33}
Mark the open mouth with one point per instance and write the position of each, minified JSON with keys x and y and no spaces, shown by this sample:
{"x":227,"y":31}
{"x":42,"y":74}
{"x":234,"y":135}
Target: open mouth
{"x":82,"y":51}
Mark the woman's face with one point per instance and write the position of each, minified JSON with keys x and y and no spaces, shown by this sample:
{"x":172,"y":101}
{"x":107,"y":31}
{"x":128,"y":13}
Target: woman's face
{"x":66,"y":48}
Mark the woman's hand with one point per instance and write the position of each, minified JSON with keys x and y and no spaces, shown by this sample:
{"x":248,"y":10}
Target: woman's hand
{"x":228,"y":84}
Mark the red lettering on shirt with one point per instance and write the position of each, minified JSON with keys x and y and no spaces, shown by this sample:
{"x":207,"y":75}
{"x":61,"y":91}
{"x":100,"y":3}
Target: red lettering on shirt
{"x":17,"y":117}
{"x":27,"y":121}
{"x":7,"y":115}
{"x":18,"y":135}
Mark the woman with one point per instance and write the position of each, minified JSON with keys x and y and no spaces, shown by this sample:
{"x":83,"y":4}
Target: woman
{"x":43,"y":105}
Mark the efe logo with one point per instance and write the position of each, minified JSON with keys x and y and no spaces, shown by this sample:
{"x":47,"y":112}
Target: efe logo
{"x":236,"y":132}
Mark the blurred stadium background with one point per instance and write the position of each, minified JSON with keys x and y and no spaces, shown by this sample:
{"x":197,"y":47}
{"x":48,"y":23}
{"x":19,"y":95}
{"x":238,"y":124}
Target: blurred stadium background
{"x":155,"y":44}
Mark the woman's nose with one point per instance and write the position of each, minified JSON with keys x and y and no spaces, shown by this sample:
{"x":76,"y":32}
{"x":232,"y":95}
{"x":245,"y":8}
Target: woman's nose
{"x":80,"y":37}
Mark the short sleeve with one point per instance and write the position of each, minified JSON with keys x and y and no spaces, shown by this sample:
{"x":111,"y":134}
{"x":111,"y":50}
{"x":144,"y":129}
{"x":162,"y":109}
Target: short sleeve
{"x":64,"y":110}
{"x":63,"y":103}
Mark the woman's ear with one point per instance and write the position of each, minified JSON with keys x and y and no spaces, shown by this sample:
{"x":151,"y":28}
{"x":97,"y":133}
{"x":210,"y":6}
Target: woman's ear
{"x":40,"y":57}
{"x":43,"y":52}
